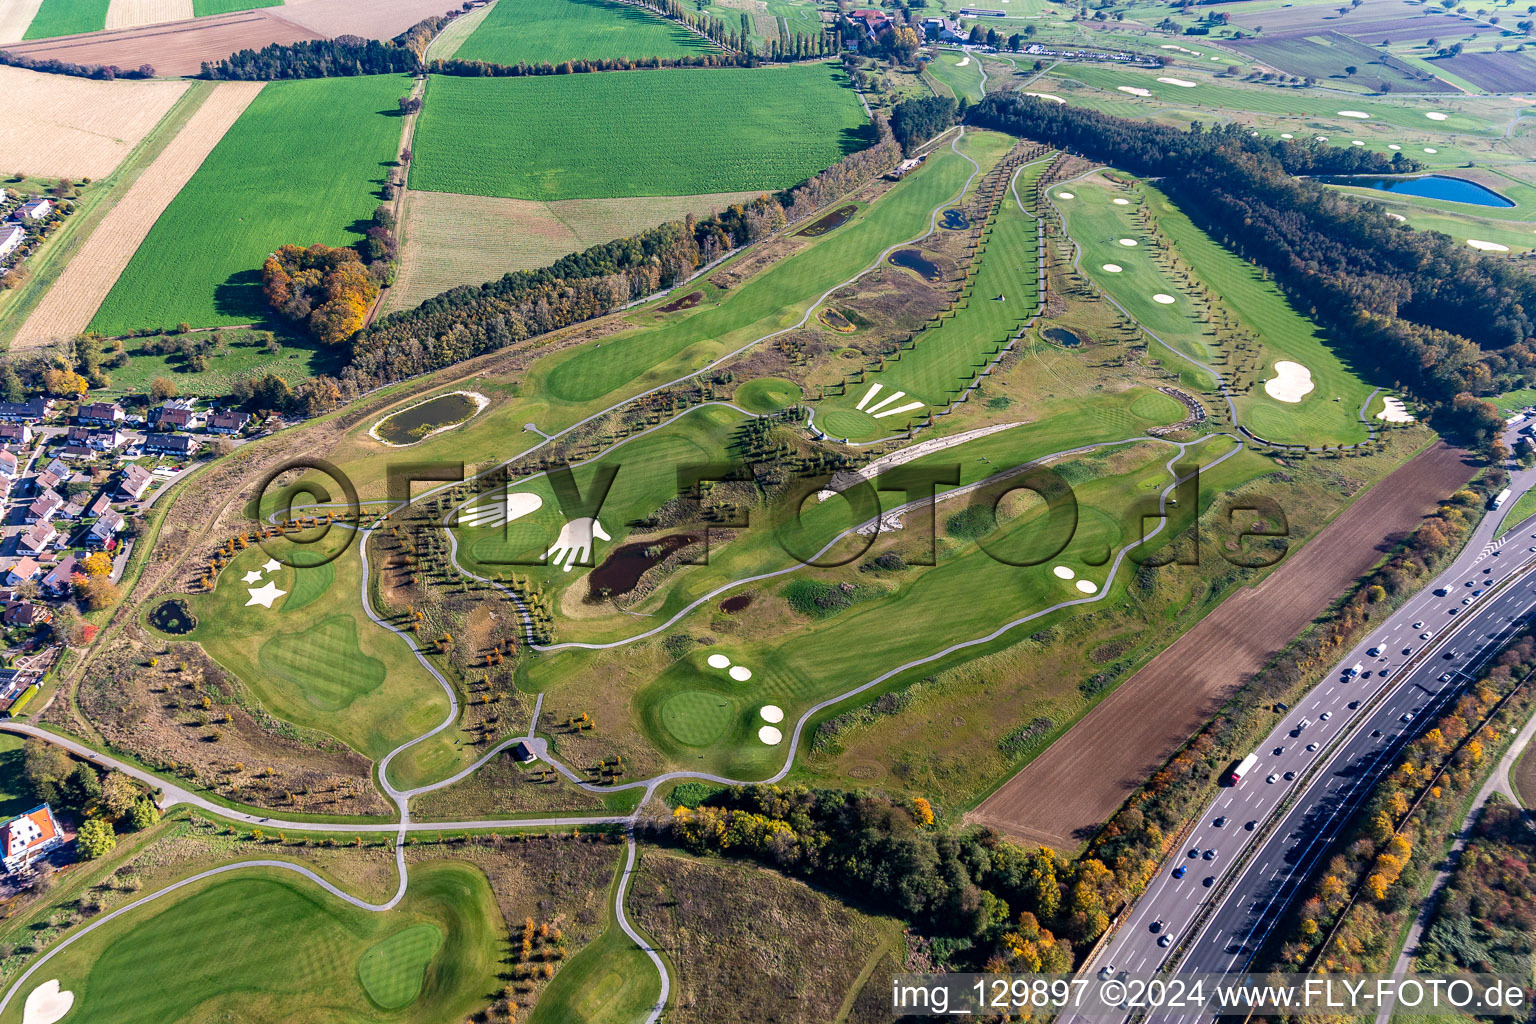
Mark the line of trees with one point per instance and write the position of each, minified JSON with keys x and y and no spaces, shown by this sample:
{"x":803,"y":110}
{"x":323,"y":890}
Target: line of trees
{"x":100,"y":72}
{"x":1449,"y":323}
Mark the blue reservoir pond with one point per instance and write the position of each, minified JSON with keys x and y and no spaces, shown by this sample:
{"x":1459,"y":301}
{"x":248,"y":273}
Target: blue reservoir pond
{"x":1429,"y":186}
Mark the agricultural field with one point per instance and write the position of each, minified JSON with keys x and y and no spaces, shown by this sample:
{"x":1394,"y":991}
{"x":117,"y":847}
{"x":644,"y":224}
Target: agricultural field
{"x":430,"y":959}
{"x":552,"y":31}
{"x":67,"y":17}
{"x":258,"y":189}
{"x":206,"y":8}
{"x":450,"y":240}
{"x":586,"y":137}
{"x":79,"y":128}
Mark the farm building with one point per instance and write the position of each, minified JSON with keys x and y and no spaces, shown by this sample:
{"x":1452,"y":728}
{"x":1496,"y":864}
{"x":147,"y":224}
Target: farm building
{"x":101,"y":414}
{"x":35,"y":208}
{"x":11,"y":237}
{"x":136,"y":480}
{"x":27,"y":837}
{"x":37,"y":538}
{"x":944,"y":30}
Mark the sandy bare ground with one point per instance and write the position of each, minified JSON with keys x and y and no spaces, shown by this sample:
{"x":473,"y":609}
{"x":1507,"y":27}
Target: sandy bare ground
{"x":68,"y":306}
{"x":76,"y":127}
{"x":133,"y":13}
{"x":15,"y":16}
{"x":1062,"y":797}
{"x":175,"y":48}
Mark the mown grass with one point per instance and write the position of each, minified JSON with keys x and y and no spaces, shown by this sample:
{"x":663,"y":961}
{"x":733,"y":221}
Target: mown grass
{"x":552,"y":31}
{"x":265,"y":946}
{"x":656,"y":132}
{"x":960,"y":73}
{"x":612,"y":981}
{"x":67,"y":17}
{"x":301,"y":165}
{"x":14,"y":795}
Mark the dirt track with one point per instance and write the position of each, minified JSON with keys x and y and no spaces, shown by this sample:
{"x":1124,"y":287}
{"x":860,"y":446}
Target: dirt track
{"x":1064,"y":795}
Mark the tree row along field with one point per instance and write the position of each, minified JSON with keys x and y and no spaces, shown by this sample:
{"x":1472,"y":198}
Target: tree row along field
{"x":655,"y":132}
{"x":303,"y":164}
{"x":552,"y":31}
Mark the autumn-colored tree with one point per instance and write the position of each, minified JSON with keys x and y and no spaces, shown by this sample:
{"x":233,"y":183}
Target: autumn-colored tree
{"x":63,"y":383}
{"x":329,"y":289}
{"x":98,"y":564}
{"x":922,"y":811}
{"x":162,"y":388}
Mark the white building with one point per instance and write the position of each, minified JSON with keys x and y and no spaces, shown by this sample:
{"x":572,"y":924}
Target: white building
{"x":35,"y":208}
{"x":29,"y":836}
{"x":11,"y":237}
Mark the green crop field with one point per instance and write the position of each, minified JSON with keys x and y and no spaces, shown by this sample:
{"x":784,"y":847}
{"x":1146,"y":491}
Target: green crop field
{"x":67,"y":17}
{"x":14,"y":797}
{"x":264,"y":946}
{"x":552,"y":31}
{"x":314,"y":658}
{"x":278,"y":176}
{"x":203,"y":8}
{"x":628,"y":133}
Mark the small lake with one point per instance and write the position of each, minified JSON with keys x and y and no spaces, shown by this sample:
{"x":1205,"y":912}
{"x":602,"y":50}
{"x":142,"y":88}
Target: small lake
{"x":912,"y":259}
{"x":1429,"y":186}
{"x":1062,"y":336}
{"x":411,"y":425}
{"x":836,"y":219}
{"x":955,"y":219}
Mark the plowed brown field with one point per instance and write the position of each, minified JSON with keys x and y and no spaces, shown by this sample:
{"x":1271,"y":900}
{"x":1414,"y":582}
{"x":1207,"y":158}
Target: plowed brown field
{"x":376,"y":19}
{"x":175,"y":48}
{"x":1062,"y":797}
{"x":72,"y":300}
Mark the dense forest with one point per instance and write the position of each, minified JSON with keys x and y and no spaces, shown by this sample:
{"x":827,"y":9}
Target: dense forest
{"x":1448,"y":323}
{"x":1486,"y":920}
{"x":915,"y":121}
{"x":342,"y":57}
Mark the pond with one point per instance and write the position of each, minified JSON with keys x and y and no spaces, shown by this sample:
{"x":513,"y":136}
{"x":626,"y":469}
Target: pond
{"x":1429,"y":186}
{"x":912,"y":259}
{"x":620,"y":572}
{"x":1062,"y":336}
{"x":836,"y":219}
{"x":955,"y":219}
{"x":682,"y":302}
{"x":173,"y":617}
{"x":411,"y":425}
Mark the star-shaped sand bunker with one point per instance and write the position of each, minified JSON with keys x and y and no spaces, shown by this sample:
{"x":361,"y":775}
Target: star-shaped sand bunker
{"x":264,"y":595}
{"x":271,"y":565}
{"x":254,"y":576}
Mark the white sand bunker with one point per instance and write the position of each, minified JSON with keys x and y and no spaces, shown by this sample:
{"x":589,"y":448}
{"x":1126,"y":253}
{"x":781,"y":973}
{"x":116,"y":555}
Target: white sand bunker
{"x":1063,"y":572}
{"x":1129,"y":243}
{"x":1292,"y":382}
{"x":1113,"y":268}
{"x":771,"y":713}
{"x":963,"y":63}
{"x":1322,"y":138}
{"x":1487,"y":246}
{"x":1121,"y":202}
{"x":1393,"y":146}
{"x":1430,"y":149}
{"x":719,"y":661}
{"x":1357,"y":142}
{"x":1164,"y":299}
{"x":769,"y":735}
{"x":1088,"y":586}
{"x":1362,"y":115}
{"x":1286,"y":135}
{"x":1398,"y":217}
{"x":1435,"y":115}
{"x":46,"y":1004}
{"x":1180,"y":82}
{"x":1394,"y":411}
{"x":740,"y":673}
{"x":1066,"y":195}
{"x":1046,"y":96}
{"x":1133,"y":90}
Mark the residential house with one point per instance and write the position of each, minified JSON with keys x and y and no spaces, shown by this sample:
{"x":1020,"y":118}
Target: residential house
{"x":100,"y":414}
{"x":136,"y":480}
{"x":228,"y":421}
{"x":170,"y":444}
{"x":105,"y":528}
{"x":9,"y":465}
{"x":100,"y":505}
{"x":33,"y":410}
{"x":44,"y":508}
{"x":35,"y":209}
{"x":872,"y":21}
{"x":25,"y":613}
{"x":37,"y":538}
{"x":26,"y":569}
{"x":74,"y":509}
{"x":107,"y":439}
{"x":5,"y":488}
{"x":56,"y":581}
{"x":77,"y":453}
{"x":11,"y":237}
{"x":18,"y":435}
{"x":59,"y":470}
{"x":46,"y":481}
{"x":28,"y":837}
{"x":175,"y":417}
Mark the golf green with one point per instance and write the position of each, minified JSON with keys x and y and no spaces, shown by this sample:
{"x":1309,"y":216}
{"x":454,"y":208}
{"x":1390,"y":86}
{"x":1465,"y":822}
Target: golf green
{"x":392,"y":971}
{"x":767,"y":394}
{"x":696,"y":718}
{"x":846,"y":423}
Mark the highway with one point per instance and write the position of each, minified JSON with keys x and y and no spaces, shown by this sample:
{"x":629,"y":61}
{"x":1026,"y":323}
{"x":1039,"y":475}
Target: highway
{"x":1316,"y":774}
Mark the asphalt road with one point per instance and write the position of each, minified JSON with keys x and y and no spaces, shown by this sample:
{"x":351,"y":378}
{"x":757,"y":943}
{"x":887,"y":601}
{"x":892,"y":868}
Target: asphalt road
{"x":1419,"y":676}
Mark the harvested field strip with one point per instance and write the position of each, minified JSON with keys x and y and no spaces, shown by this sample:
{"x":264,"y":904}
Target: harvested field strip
{"x":205,"y":8}
{"x":177,"y":48}
{"x":133,"y":13}
{"x":589,"y":137}
{"x":68,"y":306}
{"x":449,"y":240}
{"x":1063,"y":795}
{"x":376,"y":19}
{"x":302,"y":165}
{"x":67,"y":18}
{"x":76,"y":128}
{"x":551,"y":31}
{"x":15,"y":17}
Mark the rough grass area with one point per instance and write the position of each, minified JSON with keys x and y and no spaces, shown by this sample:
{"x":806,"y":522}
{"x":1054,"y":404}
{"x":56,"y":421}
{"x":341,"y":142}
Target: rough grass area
{"x":67,"y":17}
{"x":628,"y":133}
{"x":14,"y":797}
{"x":750,"y":944}
{"x":231,"y":355}
{"x":552,"y":31}
{"x":301,"y":165}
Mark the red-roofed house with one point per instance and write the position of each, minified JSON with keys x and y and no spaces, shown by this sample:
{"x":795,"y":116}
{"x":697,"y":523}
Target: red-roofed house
{"x":36,"y":538}
{"x":27,"y":837}
{"x":26,"y":569}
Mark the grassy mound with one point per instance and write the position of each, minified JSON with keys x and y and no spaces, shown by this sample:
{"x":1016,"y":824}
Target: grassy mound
{"x":767,"y":394}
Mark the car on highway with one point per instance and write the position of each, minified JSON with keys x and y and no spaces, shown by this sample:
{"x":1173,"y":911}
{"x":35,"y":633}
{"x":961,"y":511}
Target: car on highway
{"x":1180,"y":871}
{"x":1220,"y":822}
{"x":1194,"y":853}
{"x":1471,"y":583}
{"x":1311,"y":748}
{"x":1352,"y":705}
{"x":1405,"y":717}
{"x":1272,"y":778}
{"x":1210,"y":880}
{"x":1375,"y":733}
{"x":1155,"y":927}
{"x":1325,"y":716}
{"x":1477,"y":593}
{"x":1279,"y":751}
{"x":1426,"y":636}
{"x":1466,"y":600}
{"x":1251,"y":826}
{"x":1210,"y":854}
{"x":1165,"y":941}
{"x":1445,"y":677}
{"x":1418,"y":625}
{"x":1385,"y":672}
{"x":1289,"y":776}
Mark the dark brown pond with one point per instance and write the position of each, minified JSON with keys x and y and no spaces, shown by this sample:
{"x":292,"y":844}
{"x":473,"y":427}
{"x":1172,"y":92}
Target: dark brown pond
{"x":836,"y":320}
{"x":684,"y":302}
{"x":1062,"y":336}
{"x":411,"y":425}
{"x":912,"y":259}
{"x":736,"y":604}
{"x":621,"y":570}
{"x":836,"y":219}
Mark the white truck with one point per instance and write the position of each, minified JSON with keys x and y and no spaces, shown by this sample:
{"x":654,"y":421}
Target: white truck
{"x":1243,"y":768}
